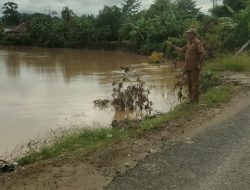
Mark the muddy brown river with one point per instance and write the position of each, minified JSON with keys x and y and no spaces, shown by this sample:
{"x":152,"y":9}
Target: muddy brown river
{"x":44,"y":89}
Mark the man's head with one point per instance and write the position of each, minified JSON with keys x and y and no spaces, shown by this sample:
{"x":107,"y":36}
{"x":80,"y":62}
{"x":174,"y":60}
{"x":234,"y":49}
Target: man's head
{"x":191,"y":33}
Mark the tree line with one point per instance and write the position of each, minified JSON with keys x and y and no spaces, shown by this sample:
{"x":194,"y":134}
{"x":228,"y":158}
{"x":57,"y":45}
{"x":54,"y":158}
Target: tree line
{"x":225,"y":29}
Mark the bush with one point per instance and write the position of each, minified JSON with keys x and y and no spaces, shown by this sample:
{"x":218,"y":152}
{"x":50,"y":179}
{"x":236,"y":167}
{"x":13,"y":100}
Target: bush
{"x":16,"y":39}
{"x":129,"y":93}
{"x":209,"y":80}
{"x":24,"y":39}
{"x":156,"y":58}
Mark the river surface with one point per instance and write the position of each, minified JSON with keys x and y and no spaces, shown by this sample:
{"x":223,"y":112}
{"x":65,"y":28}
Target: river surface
{"x":44,"y":89}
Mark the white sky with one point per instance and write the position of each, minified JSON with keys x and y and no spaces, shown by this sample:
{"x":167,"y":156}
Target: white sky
{"x":80,"y":6}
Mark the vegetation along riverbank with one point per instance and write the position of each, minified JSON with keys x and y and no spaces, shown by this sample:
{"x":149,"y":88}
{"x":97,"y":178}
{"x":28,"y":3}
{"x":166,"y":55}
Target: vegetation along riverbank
{"x":128,"y":26}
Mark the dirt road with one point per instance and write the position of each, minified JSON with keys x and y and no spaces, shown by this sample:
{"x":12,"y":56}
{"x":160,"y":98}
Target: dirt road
{"x":215,"y":158}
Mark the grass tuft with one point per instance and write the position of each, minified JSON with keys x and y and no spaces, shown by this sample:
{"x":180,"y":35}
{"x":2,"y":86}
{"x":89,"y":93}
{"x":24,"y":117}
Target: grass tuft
{"x":86,"y":139}
{"x":240,"y":63}
{"x":218,"y":95}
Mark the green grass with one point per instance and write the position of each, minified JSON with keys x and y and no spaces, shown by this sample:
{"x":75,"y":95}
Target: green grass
{"x":86,"y":139}
{"x":213,"y":97}
{"x":91,"y":139}
{"x":240,"y":63}
{"x":218,"y":95}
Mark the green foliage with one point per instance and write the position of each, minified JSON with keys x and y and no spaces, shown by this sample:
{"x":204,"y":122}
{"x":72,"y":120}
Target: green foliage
{"x":226,"y":31}
{"x":108,"y":23}
{"x":170,"y":52}
{"x":9,"y":39}
{"x":140,"y":30}
{"x":216,"y":96}
{"x":160,"y":6}
{"x":231,"y":63}
{"x":39,"y":26}
{"x":209,"y":80}
{"x":242,"y":30}
{"x":187,"y":9}
{"x":218,"y":35}
{"x":10,"y":13}
{"x":220,"y":11}
{"x":236,"y":4}
{"x":85,"y":30}
{"x":67,"y":14}
{"x":131,"y":7}
{"x":17,"y":40}
{"x":86,"y":139}
{"x":233,"y":25}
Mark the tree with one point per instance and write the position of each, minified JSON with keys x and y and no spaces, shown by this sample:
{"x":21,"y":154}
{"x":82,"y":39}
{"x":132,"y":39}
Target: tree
{"x":86,"y":28}
{"x":228,"y":7}
{"x":67,"y":14}
{"x":236,"y":4}
{"x":242,"y":32}
{"x":40,"y":26}
{"x":160,"y":6}
{"x":187,"y":9}
{"x":220,"y":11}
{"x":131,"y":7}
{"x":235,"y":29}
{"x":138,"y":30}
{"x":109,"y":22}
{"x":10,"y":14}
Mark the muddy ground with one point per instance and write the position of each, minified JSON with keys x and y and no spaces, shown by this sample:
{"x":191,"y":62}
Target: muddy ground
{"x":96,"y":170}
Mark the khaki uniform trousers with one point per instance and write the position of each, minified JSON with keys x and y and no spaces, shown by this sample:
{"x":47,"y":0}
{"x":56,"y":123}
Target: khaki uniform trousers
{"x":193,"y":80}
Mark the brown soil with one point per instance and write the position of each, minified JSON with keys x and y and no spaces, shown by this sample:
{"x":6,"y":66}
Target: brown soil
{"x":96,"y":170}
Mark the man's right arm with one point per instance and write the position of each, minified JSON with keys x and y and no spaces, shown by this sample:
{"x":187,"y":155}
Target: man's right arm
{"x":181,"y":50}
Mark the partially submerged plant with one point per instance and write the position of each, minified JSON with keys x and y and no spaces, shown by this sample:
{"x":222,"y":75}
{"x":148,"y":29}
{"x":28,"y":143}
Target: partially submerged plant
{"x":156,"y":58}
{"x":129,"y":93}
{"x":102,"y":104}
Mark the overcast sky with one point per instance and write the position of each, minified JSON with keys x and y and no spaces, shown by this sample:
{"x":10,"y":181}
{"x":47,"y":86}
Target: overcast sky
{"x":80,"y":6}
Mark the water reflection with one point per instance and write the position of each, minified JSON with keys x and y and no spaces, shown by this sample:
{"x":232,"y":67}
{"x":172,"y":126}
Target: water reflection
{"x":13,"y":66}
{"x":67,"y":61}
{"x":42,"y":89}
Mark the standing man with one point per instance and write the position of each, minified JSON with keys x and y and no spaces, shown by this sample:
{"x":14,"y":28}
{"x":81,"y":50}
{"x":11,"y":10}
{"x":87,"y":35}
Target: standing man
{"x":194,"y":59}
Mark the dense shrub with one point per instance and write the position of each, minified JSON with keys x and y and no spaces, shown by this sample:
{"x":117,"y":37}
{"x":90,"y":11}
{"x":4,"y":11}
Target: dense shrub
{"x":209,"y":79}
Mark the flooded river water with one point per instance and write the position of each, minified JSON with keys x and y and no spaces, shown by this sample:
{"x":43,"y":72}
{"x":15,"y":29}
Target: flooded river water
{"x":43,"y":89}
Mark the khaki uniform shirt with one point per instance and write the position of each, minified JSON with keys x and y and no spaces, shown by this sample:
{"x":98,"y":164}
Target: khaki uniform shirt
{"x":193,"y":50}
